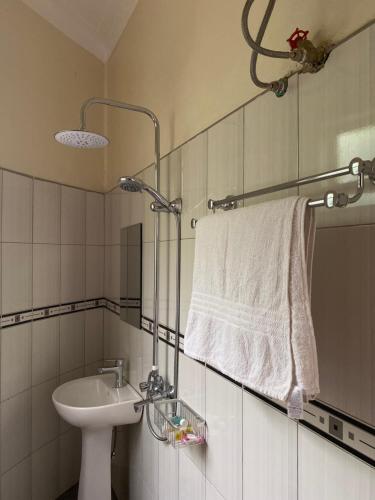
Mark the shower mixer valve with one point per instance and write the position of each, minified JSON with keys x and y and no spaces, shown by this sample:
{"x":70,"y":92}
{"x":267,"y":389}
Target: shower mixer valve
{"x":156,"y":389}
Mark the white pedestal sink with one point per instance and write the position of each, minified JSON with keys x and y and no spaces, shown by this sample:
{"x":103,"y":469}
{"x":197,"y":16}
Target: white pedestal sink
{"x":94,"y":405}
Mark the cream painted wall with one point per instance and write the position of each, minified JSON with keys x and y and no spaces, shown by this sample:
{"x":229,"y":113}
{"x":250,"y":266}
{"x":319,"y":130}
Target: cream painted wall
{"x":188,"y":62}
{"x":43,"y":79}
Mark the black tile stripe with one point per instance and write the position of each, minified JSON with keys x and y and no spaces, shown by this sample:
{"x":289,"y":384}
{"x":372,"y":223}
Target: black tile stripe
{"x":27,"y":316}
{"x":348,"y":419}
{"x":344,"y":416}
{"x":114,"y":307}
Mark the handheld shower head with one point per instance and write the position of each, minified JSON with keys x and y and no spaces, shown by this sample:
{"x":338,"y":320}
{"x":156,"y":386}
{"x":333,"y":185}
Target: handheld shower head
{"x":132,"y":184}
{"x":81,"y":139}
{"x":135,"y":185}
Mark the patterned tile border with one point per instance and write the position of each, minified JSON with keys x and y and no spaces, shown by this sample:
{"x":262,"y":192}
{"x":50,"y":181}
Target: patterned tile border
{"x":355,"y":437}
{"x":21,"y":317}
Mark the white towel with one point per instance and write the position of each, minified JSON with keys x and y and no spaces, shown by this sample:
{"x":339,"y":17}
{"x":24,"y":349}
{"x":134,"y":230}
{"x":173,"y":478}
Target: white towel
{"x":250,"y":313}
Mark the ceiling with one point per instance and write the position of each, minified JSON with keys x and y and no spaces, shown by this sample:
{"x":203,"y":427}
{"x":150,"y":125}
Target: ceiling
{"x":95,"y":25}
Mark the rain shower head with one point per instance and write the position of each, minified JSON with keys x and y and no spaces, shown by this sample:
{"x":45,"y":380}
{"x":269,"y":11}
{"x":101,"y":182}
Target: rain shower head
{"x":81,"y":139}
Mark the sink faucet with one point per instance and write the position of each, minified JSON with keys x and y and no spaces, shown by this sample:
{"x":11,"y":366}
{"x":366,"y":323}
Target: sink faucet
{"x":117,"y":369}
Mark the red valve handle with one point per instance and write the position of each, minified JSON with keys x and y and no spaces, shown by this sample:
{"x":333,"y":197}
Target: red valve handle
{"x":296,"y":37}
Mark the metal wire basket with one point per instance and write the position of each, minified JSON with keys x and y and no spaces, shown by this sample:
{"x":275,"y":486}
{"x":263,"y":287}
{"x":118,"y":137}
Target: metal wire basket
{"x":181,"y":425}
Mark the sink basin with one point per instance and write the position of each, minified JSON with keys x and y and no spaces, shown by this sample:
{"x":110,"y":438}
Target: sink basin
{"x":94,"y":405}
{"x":94,"y":402}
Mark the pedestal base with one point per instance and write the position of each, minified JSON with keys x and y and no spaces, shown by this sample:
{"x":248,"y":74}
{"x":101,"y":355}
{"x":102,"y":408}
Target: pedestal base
{"x":95,"y":476}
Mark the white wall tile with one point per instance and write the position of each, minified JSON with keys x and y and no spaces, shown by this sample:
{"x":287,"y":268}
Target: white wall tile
{"x":112,"y":272}
{"x":146,"y":457}
{"x":225,"y":157}
{"x":136,"y":207}
{"x":92,"y":369}
{"x":148,"y":177}
{"x":167,"y":295}
{"x":73,"y":209}
{"x":192,"y":483}
{"x":72,"y":375}
{"x":134,"y":353}
{"x":224,"y":449}
{"x":16,"y":277}
{"x":337,"y":123}
{"x":15,"y":430}
{"x":193,"y":182}
{"x":112,"y":334}
{"x":15,"y":360}
{"x":94,"y":342}
{"x":45,"y":420}
{"x":192,"y":389}
{"x":67,"y":377}
{"x":166,"y":362}
{"x":70,"y":459}
{"x":187,"y":263}
{"x":94,"y":271}
{"x":17,"y":208}
{"x":45,"y":349}
{"x":147,"y":279}
{"x":1,"y":201}
{"x":107,"y":218}
{"x":328,"y":473}
{"x":271,"y":142}
{"x":94,"y":219}
{"x":113,"y":217}
{"x":170,"y":188}
{"x":125,"y":207}
{"x":72,"y":273}
{"x":46,"y":213}
{"x":45,"y":472}
{"x":168,"y":472}
{"x":269,"y":452}
{"x":16,"y":483}
{"x":46,"y":275}
{"x":147,"y":347}
{"x":72,"y":341}
{"x":192,"y":383}
{"x":212,"y":493}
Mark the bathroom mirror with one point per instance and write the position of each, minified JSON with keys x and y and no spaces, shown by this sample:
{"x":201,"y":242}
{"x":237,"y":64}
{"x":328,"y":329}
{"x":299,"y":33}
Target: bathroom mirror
{"x":131,"y":275}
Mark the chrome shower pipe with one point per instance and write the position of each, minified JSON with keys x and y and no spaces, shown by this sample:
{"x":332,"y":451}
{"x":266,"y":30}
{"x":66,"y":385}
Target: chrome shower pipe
{"x":140,"y":109}
{"x":178,"y":300}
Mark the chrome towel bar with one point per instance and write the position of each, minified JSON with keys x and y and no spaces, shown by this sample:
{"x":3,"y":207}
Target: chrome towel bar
{"x":357,"y":167}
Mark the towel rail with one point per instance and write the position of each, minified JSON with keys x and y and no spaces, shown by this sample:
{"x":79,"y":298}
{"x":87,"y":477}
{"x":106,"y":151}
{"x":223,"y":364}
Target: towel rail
{"x":357,"y":167}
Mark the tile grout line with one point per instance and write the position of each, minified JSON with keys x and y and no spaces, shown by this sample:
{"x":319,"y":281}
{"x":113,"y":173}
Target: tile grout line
{"x":59,"y":336}
{"x":298,"y":192}
{"x":31,"y":325}
{"x":1,"y":304}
